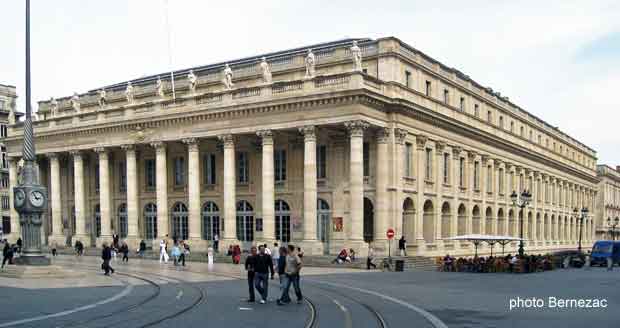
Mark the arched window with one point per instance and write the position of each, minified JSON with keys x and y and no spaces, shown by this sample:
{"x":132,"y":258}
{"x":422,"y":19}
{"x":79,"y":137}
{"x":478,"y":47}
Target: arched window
{"x":283,"y":221}
{"x":150,"y":221}
{"x":97,"y":221}
{"x":179,"y":221}
{"x":245,"y":221}
{"x":122,"y":220}
{"x":210,"y":221}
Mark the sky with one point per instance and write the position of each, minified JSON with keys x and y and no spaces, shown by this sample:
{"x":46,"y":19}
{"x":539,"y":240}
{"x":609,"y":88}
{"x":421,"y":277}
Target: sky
{"x":559,"y":60}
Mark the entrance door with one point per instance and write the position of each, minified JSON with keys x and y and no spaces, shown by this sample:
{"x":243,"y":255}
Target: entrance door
{"x":245,"y":224}
{"x":96,"y":232}
{"x":179,"y":221}
{"x":150,"y":223}
{"x":369,"y":221}
{"x":323,"y":224}
{"x":283,"y":221}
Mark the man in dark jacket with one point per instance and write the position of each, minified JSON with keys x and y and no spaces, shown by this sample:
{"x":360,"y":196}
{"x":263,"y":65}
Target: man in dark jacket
{"x":250,"y":263}
{"x":402,"y":246}
{"x":264,"y":265}
{"x":19,"y":245}
{"x":106,"y":256}
{"x":7,"y":254}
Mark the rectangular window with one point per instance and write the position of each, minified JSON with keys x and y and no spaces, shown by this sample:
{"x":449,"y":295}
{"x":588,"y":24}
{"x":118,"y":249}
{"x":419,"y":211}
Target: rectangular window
{"x":280,"y":165}
{"x":179,"y":171}
{"x":321,"y":162}
{"x":3,"y":131}
{"x":122,"y":176}
{"x":446,"y":96}
{"x":1,"y":104}
{"x":366,"y":159}
{"x":5,"y":202}
{"x":446,"y":168}
{"x":243,"y":168}
{"x":149,"y":173}
{"x":462,"y":172}
{"x":511,"y":182}
{"x":500,"y":181}
{"x":476,"y":175}
{"x":408,"y":159}
{"x":462,"y":104}
{"x":429,"y":164}
{"x":96,"y":177}
{"x":520,"y":182}
{"x":489,"y":117}
{"x":476,"y":110}
{"x":407,"y":78}
{"x":489,"y":178}
{"x":209,"y":169}
{"x":6,"y":225}
{"x":529,"y":184}
{"x":428,"y":88}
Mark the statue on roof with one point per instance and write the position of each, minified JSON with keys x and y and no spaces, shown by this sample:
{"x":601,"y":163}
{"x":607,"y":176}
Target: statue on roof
{"x":265,"y":70}
{"x":75,"y":102}
{"x":53,"y":106}
{"x":310,"y":64}
{"x":102,"y":98}
{"x":356,"y":52}
{"x":129,"y":93}
{"x":228,"y":77}
{"x":159,"y":88}
{"x":191,"y":78}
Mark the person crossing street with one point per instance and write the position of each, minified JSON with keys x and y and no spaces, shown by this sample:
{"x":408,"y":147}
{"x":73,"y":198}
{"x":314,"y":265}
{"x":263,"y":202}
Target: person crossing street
{"x":263,"y":266}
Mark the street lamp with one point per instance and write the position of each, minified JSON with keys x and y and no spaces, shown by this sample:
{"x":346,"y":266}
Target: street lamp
{"x":521,"y":201}
{"x":613,"y":226}
{"x":584,"y":214}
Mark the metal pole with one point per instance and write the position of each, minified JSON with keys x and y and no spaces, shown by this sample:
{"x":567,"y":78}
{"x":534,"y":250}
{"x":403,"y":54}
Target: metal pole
{"x":521,"y":250}
{"x":580,"y":229}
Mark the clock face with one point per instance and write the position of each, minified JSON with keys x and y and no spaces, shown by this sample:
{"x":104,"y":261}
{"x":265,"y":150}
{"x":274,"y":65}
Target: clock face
{"x":37,"y":198}
{"x":20,"y":197}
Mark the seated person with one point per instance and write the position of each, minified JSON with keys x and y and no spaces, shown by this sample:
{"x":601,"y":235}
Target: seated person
{"x":351,"y":255}
{"x":342,"y":257}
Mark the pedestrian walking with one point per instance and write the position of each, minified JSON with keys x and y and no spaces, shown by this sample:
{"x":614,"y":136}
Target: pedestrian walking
{"x":163,"y":253}
{"x":125,"y":251}
{"x":19,"y":245}
{"x":142,"y":248}
{"x":263,"y":266}
{"x":610,"y":263}
{"x":210,"y":257}
{"x":106,"y":256}
{"x":184,"y":248}
{"x":176,"y":253}
{"x":402,"y":246}
{"x":7,"y":254}
{"x":115,"y":240}
{"x":280,"y":268}
{"x":113,"y":251}
{"x":292,"y":270}
{"x":216,"y":242}
{"x":54,"y":246}
{"x":371,"y":256}
{"x":250,"y":264}
{"x":275,"y":256}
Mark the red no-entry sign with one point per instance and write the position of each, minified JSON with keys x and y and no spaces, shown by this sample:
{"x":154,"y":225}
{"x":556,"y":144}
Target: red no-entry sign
{"x":390,"y":233}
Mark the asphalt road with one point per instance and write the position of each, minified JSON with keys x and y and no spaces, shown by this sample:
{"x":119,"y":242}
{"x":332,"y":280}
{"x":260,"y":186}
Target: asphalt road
{"x":148,"y":294}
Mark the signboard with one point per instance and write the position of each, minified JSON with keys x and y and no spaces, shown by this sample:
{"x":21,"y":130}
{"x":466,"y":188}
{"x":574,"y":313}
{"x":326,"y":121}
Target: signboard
{"x":338,"y":224}
{"x":390,"y":233}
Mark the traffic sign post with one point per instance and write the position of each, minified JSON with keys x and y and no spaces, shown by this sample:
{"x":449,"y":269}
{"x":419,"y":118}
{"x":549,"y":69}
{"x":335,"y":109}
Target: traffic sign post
{"x":390,"y":236}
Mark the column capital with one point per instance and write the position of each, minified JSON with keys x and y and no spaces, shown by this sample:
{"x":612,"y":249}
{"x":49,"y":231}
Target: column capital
{"x":485,"y":158}
{"x":456,"y":151}
{"x":76,"y":153}
{"x":128,"y":147}
{"x":471,"y":155}
{"x":266,"y":136}
{"x":309,"y":132}
{"x":192,"y":144}
{"x":498,"y":161}
{"x":440,"y":146}
{"x":400,"y":135}
{"x":356,"y":128}
{"x":227,"y":139}
{"x":383,"y":135}
{"x":420,"y":141}
{"x":101,"y":150}
{"x":52,"y":156}
{"x":158,"y":145}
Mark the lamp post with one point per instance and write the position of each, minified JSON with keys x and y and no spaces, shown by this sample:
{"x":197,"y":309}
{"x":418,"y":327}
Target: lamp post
{"x":613,"y":226}
{"x":30,"y":198}
{"x":521,"y":201}
{"x":584,"y":214}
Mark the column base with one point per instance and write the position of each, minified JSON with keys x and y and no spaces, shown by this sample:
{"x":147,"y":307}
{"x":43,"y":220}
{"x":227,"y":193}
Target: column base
{"x":85,"y":239}
{"x":197,"y":244}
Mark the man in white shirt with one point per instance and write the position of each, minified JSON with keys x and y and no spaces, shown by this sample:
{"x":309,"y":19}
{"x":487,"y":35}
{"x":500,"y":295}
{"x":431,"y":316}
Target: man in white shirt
{"x":163,"y":254}
{"x":276,"y":256}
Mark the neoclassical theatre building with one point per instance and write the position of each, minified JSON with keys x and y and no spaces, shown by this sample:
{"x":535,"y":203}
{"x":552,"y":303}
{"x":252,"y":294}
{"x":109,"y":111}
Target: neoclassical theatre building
{"x":325,"y":146}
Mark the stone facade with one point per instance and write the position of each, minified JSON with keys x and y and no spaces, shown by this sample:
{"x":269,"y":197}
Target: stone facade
{"x":8,"y":97}
{"x":608,"y":203}
{"x":321,"y":154}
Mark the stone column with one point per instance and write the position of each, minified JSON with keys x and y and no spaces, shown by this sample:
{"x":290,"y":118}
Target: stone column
{"x":440,"y":146}
{"x":420,"y":155}
{"x":230,"y":228}
{"x":399,"y":160}
{"x":15,"y":228}
{"x":104,"y":195}
{"x":382,"y":202}
{"x":79,"y":198}
{"x":193,"y":186}
{"x":484,"y":172}
{"x":161,"y":181}
{"x":132,"y":195}
{"x":471,"y":158}
{"x":356,"y":180}
{"x":268,"y":196}
{"x":455,"y":159}
{"x":55,"y":201}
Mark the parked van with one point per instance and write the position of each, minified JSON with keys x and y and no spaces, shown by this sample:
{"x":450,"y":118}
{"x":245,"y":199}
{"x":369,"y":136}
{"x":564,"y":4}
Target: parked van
{"x":603,"y":249}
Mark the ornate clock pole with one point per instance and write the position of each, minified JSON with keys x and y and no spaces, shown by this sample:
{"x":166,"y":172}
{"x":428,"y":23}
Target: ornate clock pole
{"x":30,"y":198}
